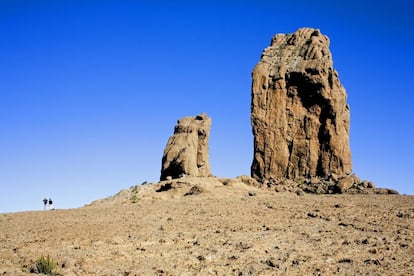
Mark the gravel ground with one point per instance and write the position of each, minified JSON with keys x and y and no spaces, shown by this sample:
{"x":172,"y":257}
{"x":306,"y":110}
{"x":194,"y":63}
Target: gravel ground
{"x":201,"y":226}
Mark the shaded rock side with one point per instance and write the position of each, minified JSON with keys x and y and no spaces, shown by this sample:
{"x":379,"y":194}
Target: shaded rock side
{"x":299,"y":113}
{"x":186,"y":152}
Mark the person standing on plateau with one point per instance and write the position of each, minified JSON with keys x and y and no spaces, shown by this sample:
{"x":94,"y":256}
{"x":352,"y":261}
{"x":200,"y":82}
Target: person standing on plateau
{"x":45,"y":201}
{"x":50,"y":204}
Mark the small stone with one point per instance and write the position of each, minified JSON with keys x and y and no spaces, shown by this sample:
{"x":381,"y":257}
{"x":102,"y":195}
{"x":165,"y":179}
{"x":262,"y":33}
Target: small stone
{"x":195,"y":190}
{"x":279,"y":188}
{"x":270,"y":263}
{"x":300,"y":192}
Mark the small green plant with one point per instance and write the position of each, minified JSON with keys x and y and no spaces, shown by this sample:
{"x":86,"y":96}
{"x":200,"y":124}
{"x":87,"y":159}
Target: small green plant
{"x":46,"y":265}
{"x":134,"y":199}
{"x":134,"y":189}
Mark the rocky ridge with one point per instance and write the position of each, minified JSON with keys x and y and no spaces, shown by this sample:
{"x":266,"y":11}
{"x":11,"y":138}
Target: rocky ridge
{"x":240,"y":186}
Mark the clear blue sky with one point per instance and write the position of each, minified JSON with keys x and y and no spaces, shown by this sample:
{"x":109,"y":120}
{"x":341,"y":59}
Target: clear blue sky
{"x":90,"y":91}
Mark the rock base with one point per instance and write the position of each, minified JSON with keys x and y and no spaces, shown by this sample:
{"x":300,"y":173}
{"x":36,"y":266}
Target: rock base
{"x":345,"y":185}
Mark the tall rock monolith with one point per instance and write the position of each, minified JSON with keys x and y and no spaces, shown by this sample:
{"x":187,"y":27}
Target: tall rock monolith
{"x":186,"y":152}
{"x":299,"y":112}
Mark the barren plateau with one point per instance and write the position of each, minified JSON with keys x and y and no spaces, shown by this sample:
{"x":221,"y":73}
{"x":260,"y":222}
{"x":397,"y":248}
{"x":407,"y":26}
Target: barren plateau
{"x":213,"y":226}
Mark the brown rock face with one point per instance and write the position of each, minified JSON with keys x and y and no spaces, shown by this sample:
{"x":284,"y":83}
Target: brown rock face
{"x":186,"y":152}
{"x":300,"y":117}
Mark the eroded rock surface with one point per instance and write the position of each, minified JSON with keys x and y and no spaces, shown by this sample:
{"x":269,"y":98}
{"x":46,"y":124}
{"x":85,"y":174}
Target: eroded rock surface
{"x":300,"y":116}
{"x":186,"y":152}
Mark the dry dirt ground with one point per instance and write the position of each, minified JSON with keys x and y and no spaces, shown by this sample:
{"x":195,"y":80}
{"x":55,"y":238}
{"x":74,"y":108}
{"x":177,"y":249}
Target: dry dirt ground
{"x":221,"y":227}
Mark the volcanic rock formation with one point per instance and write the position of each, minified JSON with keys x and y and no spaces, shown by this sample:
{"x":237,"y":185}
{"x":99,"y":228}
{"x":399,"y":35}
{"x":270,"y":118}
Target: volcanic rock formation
{"x":299,"y":113}
{"x":186,"y":152}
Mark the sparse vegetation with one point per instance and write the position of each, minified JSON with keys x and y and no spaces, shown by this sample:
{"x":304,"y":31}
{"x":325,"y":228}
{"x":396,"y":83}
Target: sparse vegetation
{"x":134,"y":189}
{"x":134,"y":192}
{"x":134,"y":198}
{"x":45,"y":265}
{"x":300,"y":180}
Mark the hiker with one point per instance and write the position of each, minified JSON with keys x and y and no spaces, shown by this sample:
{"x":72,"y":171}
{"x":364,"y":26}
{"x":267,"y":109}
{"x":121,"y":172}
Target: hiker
{"x":45,"y":204}
{"x":50,"y":204}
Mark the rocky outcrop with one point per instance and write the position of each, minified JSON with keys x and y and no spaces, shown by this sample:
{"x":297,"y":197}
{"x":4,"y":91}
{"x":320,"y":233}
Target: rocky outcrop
{"x":349,"y":184}
{"x":299,"y":113}
{"x":186,"y":152}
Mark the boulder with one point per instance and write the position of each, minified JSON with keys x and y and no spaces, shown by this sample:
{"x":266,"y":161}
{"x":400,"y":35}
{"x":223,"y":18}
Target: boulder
{"x":346,"y":183}
{"x":248,"y":180}
{"x":186,"y":152}
{"x":299,"y":111}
